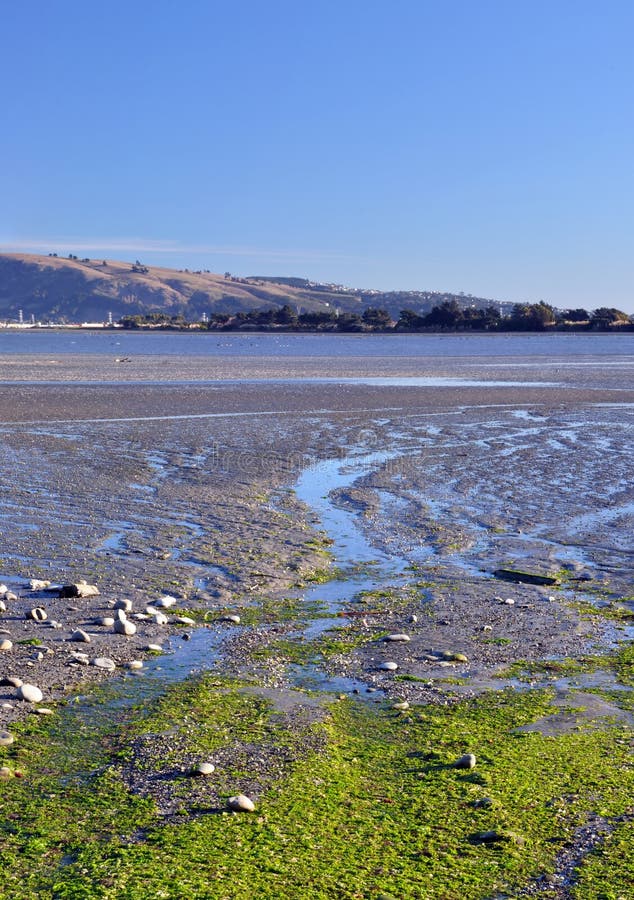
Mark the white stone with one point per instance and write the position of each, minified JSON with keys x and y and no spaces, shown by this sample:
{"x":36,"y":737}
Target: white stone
{"x":30,"y":693}
{"x":6,"y":644}
{"x":135,"y":664}
{"x":80,"y":636}
{"x":241,"y":803}
{"x":165,"y":602}
{"x":37,"y":584}
{"x":155,"y":648}
{"x":232,"y":618}
{"x":396,"y":638}
{"x":104,"y":620}
{"x":3,"y":606}
{"x":183,"y":620}
{"x":125,"y":605}
{"x":125,"y":627}
{"x":203,"y":768}
{"x":6,"y":738}
{"x":38,"y":614}
{"x":388,"y":666}
{"x":468,"y":761}
{"x":104,"y":662}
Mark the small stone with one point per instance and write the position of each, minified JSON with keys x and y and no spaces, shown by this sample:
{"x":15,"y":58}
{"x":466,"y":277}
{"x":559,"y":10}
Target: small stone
{"x":509,"y":601}
{"x":81,"y":589}
{"x":10,"y":596}
{"x":135,"y":664}
{"x":487,"y":628}
{"x":159,"y":617}
{"x":43,"y":711}
{"x":6,"y":644}
{"x":397,"y":638}
{"x":108,"y":621}
{"x":467,"y":761}
{"x":125,"y":605}
{"x":241,"y":803}
{"x":183,"y":620}
{"x":6,"y":738}
{"x":186,"y":637}
{"x":38,"y":614}
{"x":11,"y":681}
{"x":5,"y":772}
{"x":3,"y":606}
{"x":203,"y":768}
{"x":154,"y":648}
{"x":454,"y":657}
{"x":80,"y":636}
{"x":38,"y":656}
{"x":36,"y":584}
{"x":104,"y":662}
{"x":388,"y":667}
{"x":3,"y":589}
{"x":413,"y":618}
{"x":30,"y":693}
{"x":402,"y":705}
{"x":165,"y":602}
{"x":82,"y":658}
{"x":125,"y":627}
{"x":232,"y":618}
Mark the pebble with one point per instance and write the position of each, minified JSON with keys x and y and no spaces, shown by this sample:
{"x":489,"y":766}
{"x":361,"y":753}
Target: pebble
{"x":38,"y":614}
{"x":53,"y":624}
{"x":231,"y":618}
{"x":454,"y":657}
{"x":487,"y":628}
{"x":165,"y":602}
{"x":125,"y":605}
{"x":135,"y":664}
{"x":104,"y":620}
{"x":241,"y":803}
{"x":183,"y":620}
{"x":124,"y":627}
{"x":159,"y":617}
{"x":6,"y":738}
{"x":388,"y":666}
{"x":12,"y":681}
{"x":104,"y":662}
{"x":36,"y":584}
{"x":509,"y":601}
{"x":203,"y":768}
{"x":10,"y":596}
{"x":81,"y":589}
{"x":43,"y":711}
{"x":30,"y":693}
{"x":6,"y":644}
{"x":3,"y":589}
{"x":5,"y":772}
{"x":80,"y":636}
{"x":397,"y":638}
{"x":404,"y":704}
{"x":467,"y":761}
{"x":3,"y":606}
{"x":155,"y":647}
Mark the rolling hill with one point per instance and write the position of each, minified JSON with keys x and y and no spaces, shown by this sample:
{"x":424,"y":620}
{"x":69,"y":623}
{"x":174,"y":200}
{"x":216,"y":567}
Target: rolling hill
{"x":69,"y":289}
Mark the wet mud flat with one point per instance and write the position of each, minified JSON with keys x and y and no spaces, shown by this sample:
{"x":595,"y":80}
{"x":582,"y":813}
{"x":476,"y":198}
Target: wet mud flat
{"x":327,"y":517}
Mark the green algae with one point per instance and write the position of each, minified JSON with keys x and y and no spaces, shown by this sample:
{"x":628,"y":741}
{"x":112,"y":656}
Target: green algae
{"x":379,"y":808}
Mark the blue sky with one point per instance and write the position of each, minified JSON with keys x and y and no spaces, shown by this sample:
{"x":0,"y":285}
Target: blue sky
{"x":484,"y":147}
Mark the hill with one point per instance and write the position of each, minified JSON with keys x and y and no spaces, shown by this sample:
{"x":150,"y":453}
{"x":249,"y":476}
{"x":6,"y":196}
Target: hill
{"x":69,"y":289}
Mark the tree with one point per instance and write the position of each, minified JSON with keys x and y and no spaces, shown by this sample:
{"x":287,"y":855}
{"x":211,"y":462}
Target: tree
{"x":608,"y":317}
{"x":376,"y":318}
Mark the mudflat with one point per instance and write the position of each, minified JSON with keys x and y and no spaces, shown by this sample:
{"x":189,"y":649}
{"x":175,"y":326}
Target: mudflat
{"x":326,"y":528}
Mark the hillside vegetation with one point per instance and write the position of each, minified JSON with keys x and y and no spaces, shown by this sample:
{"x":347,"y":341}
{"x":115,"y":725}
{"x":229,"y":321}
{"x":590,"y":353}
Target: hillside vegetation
{"x":70,"y":289}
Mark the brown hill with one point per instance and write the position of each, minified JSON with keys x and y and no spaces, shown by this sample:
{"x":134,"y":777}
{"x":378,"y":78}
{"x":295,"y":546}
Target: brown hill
{"x":73,"y":290}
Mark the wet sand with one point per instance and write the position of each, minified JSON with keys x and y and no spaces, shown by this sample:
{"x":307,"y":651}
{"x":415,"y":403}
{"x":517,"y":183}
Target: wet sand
{"x":164,"y":475}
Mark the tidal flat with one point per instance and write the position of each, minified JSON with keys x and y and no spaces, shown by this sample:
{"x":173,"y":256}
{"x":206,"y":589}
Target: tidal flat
{"x":328,"y":530}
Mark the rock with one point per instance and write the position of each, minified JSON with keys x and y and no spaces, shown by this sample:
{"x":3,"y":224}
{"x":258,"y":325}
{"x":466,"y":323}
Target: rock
{"x":108,"y":621}
{"x":81,"y":589}
{"x":241,"y":803}
{"x":11,"y":681}
{"x":36,"y":584}
{"x":38,"y":614}
{"x":487,"y":628}
{"x":30,"y":693}
{"x":135,"y":664}
{"x":10,"y":597}
{"x":454,"y":657}
{"x":183,"y":620}
{"x":403,"y":704}
{"x":397,"y":638}
{"x":413,"y":618}
{"x":509,"y":601}
{"x":6,"y":644}
{"x":165,"y":602}
{"x":468,"y":761}
{"x":154,"y":648}
{"x":3,"y":589}
{"x":524,"y":577}
{"x":231,"y":618}
{"x":80,"y":636}
{"x":482,"y":803}
{"x":43,"y":711}
{"x":125,"y":605}
{"x":203,"y":768}
{"x":124,"y":627}
{"x":388,"y":667}
{"x":3,"y":606}
{"x":104,"y":662}
{"x":82,"y":658}
{"x":53,"y":624}
{"x":159,"y":617}
{"x":5,"y":772}
{"x":6,"y":738}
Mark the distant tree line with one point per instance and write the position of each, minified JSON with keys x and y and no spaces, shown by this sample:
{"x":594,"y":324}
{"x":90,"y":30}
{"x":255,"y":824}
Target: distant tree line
{"x":447,"y":316}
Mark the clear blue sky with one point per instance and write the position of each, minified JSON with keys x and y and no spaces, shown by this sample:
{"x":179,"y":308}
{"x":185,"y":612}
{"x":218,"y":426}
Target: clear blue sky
{"x":483,"y":146}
